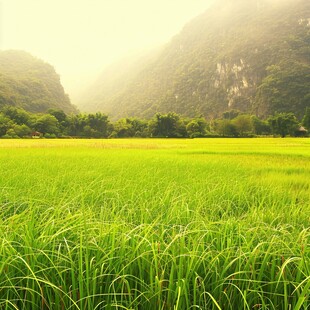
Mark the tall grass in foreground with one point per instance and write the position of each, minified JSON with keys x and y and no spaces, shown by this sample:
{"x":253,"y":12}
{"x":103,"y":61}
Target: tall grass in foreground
{"x":155,"y":224}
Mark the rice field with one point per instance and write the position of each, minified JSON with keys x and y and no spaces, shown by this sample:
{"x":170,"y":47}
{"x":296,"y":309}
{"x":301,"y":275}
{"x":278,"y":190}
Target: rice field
{"x":155,"y":224}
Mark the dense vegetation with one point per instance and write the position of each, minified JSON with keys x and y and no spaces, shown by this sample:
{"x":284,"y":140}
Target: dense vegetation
{"x":30,"y":83}
{"x":155,"y":224}
{"x":251,"y":55}
{"x":17,"y":123}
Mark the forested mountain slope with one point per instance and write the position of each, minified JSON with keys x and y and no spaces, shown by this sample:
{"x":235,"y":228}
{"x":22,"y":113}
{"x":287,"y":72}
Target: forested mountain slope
{"x":30,"y":83}
{"x":251,"y":55}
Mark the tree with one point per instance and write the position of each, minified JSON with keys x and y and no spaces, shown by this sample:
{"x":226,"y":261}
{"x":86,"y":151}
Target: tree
{"x":231,"y":114}
{"x":139,"y":127}
{"x":59,"y":114}
{"x":130,"y":127}
{"x":62,"y":118}
{"x":47,"y":124}
{"x":76,"y":124}
{"x":123,"y":128}
{"x":11,"y":134}
{"x":99,"y":123}
{"x":306,"y":119}
{"x":196,"y":127}
{"x":22,"y":130}
{"x":284,"y":124}
{"x":89,"y":125}
{"x":167,"y":125}
{"x":285,"y":89}
{"x":17,"y":115}
{"x":260,"y":127}
{"x":226,"y":128}
{"x":243,"y":124}
{"x":5,"y":124}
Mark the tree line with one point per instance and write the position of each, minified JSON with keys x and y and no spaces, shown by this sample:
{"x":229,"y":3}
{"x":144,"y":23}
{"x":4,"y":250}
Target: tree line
{"x":18,"y":123}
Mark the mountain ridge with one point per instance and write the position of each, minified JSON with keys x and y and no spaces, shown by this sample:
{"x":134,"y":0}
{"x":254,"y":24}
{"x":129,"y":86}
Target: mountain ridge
{"x":237,"y":55}
{"x":30,"y":83}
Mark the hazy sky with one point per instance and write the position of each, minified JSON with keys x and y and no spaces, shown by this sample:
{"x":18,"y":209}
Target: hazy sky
{"x":80,"y":37}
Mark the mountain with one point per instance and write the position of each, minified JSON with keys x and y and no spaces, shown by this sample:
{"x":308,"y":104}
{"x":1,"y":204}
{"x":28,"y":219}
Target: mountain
{"x":31,"y":84}
{"x":115,"y":79}
{"x":251,"y":55}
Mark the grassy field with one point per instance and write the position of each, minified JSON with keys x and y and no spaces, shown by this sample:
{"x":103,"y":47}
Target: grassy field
{"x":155,"y":224}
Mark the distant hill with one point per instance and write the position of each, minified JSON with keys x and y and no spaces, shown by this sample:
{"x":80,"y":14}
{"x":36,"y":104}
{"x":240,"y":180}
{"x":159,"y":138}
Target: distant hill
{"x":251,"y":55}
{"x":30,"y":83}
{"x":117,"y":78}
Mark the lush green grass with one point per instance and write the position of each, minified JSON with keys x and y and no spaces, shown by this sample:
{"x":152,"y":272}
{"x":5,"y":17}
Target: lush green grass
{"x":155,"y":224}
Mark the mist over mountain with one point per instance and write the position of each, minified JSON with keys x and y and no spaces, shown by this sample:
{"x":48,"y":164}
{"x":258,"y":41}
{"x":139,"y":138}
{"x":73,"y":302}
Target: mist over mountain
{"x":30,"y":83}
{"x":116,"y":78}
{"x":251,"y":55}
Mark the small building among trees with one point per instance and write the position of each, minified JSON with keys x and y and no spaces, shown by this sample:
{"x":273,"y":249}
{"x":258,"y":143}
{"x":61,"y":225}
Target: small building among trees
{"x":301,"y":132}
{"x":36,"y":134}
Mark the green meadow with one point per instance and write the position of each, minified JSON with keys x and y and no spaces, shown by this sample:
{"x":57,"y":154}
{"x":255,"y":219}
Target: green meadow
{"x":155,"y":224}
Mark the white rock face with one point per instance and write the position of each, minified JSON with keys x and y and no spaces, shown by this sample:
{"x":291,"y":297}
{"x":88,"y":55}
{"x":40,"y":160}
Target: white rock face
{"x":222,"y":70}
{"x":240,"y":83}
{"x":304,"y":21}
{"x":236,"y":69}
{"x":245,"y":82}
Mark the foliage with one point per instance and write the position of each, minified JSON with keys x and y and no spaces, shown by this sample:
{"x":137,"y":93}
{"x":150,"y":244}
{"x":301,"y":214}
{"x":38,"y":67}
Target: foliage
{"x":16,"y":122}
{"x":130,"y":127}
{"x":285,"y":89}
{"x":31,"y":84}
{"x":61,"y":116}
{"x":17,"y":115}
{"x":243,"y":124}
{"x":22,"y":131}
{"x":47,"y":124}
{"x":5,"y":124}
{"x":89,"y":125}
{"x":231,"y":114}
{"x":196,"y":127}
{"x":260,"y":127}
{"x":284,"y":124}
{"x":167,"y":125}
{"x":226,"y":128}
{"x":306,"y":119}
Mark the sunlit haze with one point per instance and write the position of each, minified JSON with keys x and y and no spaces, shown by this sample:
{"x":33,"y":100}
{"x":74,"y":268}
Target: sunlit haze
{"x":79,"y":38}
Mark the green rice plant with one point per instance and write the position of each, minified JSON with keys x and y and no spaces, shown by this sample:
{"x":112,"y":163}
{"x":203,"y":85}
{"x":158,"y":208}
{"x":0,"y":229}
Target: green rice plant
{"x":155,"y":224}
